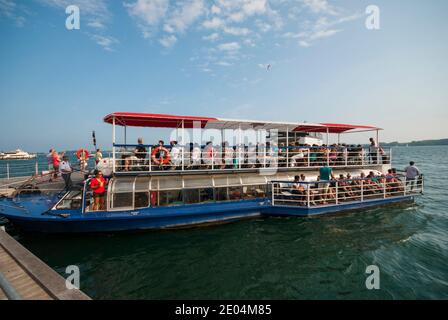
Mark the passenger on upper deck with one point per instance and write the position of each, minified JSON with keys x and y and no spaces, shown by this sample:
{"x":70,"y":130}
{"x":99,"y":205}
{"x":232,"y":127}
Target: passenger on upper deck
{"x":373,"y":151}
{"x":176,"y":155}
{"x":160,"y":155}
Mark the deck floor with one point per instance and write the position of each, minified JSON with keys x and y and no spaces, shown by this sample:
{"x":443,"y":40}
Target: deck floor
{"x":29,"y":277}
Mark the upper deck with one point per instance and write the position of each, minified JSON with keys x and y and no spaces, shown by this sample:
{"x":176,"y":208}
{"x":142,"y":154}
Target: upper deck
{"x":227,"y":145}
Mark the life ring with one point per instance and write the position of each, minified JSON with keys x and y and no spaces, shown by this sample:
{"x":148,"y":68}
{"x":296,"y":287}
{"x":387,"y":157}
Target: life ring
{"x":82,"y":152}
{"x":160,"y":160}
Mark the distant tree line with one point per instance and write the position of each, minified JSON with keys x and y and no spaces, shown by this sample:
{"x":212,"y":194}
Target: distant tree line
{"x":439,"y":142}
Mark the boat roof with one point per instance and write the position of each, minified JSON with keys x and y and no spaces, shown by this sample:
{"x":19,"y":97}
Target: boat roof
{"x":134,"y":119}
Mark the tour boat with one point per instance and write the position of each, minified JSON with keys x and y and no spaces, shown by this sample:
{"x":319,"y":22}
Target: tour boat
{"x":215,"y":171}
{"x":16,"y":155}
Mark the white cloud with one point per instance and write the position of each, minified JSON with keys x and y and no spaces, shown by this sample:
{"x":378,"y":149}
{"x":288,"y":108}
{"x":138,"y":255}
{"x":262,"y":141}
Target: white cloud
{"x":106,"y":42}
{"x":211,"y":37}
{"x":224,"y":64}
{"x":10,"y":10}
{"x":215,"y":9}
{"x":229,"y":46}
{"x":320,"y":6}
{"x":184,"y":16}
{"x":214,"y":23}
{"x":236,"y":31}
{"x":168,"y":41}
{"x":95,"y":12}
{"x":148,"y":13}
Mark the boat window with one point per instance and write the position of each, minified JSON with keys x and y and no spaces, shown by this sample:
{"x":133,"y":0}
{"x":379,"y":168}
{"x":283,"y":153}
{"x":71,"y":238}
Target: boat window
{"x":254,"y":191}
{"x":252,"y":180}
{"x":122,"y":200}
{"x":191,"y":196}
{"x":142,"y":184}
{"x":220,"y":181}
{"x":234,"y":181}
{"x":206,"y":195}
{"x":141,"y":199}
{"x":170,"y":183}
{"x":170,"y":197}
{"x":123,"y":185}
{"x":197,"y":183}
{"x":71,"y":201}
{"x":221,"y":194}
{"x":235,"y":193}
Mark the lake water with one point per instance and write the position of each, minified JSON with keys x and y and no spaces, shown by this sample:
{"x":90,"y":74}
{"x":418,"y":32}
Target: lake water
{"x":276,"y":258}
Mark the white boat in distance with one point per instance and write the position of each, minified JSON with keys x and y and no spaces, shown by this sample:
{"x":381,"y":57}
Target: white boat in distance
{"x":16,"y":155}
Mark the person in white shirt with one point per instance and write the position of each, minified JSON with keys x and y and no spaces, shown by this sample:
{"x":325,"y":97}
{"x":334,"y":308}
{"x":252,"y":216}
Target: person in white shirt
{"x":373,"y":151}
{"x":66,"y":171}
{"x":196,"y":156}
{"x":176,"y":156}
{"x":412,"y":172}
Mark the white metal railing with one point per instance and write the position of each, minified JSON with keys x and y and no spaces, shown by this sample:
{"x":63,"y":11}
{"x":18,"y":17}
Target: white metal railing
{"x":126,"y":159}
{"x":336,"y":192}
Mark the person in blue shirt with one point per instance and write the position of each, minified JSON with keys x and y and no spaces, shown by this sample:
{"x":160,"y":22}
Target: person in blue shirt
{"x":325,"y":175}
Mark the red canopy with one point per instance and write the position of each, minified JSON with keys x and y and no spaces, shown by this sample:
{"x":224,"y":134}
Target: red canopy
{"x":134,"y":119}
{"x":335,"y":128}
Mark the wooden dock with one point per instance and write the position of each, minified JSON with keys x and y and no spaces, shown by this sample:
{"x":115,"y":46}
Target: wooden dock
{"x":24,"y":276}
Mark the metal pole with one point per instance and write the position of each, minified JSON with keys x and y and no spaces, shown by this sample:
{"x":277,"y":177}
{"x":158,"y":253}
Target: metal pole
{"x":113,"y":145}
{"x":405,"y":185}
{"x":287,"y":147}
{"x":337,"y":193}
{"x":308,"y":196}
{"x":7,"y":171}
{"x":239,"y":146}
{"x":183,"y":144}
{"x":37,"y":168}
{"x":362,"y":190}
{"x":377,"y":146}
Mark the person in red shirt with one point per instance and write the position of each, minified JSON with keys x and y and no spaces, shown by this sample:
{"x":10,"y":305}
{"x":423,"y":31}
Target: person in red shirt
{"x":98,"y":186}
{"x":56,"y":161}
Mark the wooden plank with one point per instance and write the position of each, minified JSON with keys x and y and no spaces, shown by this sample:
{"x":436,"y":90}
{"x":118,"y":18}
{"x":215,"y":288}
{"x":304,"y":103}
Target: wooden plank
{"x":31,"y":278}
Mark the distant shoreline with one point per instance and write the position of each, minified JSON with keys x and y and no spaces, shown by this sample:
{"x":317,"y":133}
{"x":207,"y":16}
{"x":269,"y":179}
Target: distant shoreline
{"x":421,"y":143}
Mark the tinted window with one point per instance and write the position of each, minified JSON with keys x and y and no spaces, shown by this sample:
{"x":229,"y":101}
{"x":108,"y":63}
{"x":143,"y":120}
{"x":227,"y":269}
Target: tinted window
{"x":122,"y":200}
{"x":141,"y":199}
{"x":191,"y":195}
{"x":221,"y":194}
{"x":171,"y":197}
{"x":206,"y":194}
{"x":235,"y":193}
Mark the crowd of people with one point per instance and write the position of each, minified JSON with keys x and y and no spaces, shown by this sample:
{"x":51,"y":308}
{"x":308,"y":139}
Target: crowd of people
{"x":328,"y":188}
{"x":269,"y":154}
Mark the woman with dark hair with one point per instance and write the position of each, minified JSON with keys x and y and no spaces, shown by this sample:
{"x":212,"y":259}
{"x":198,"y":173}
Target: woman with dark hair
{"x":98,"y":186}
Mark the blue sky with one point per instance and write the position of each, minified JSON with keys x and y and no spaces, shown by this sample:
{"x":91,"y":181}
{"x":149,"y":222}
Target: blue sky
{"x":198,"y":57}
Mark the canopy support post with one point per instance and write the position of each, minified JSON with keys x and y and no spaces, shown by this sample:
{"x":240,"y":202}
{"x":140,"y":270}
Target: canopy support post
{"x":113,"y":144}
{"x":377,"y":146}
{"x":183,"y":144}
{"x":287,"y":147}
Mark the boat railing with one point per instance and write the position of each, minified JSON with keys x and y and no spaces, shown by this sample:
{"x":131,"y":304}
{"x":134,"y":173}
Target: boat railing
{"x":343,"y":191}
{"x":125,"y":159}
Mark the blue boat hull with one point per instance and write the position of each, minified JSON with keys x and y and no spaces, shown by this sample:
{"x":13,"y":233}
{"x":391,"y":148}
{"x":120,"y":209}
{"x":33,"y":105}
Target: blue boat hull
{"x":150,"y":218}
{"x":279,"y":210}
{"x":33,"y":215}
